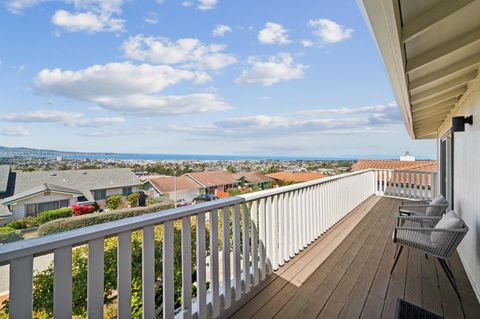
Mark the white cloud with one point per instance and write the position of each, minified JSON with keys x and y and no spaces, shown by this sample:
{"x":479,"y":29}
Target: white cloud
{"x":273,"y":33}
{"x":351,"y":110}
{"x":89,"y":15}
{"x":220,"y":30}
{"x":71,"y":119}
{"x":113,"y":79}
{"x":329,"y":31}
{"x":151,"y":18}
{"x":187,"y":4}
{"x":17,"y":6}
{"x":207,"y":4}
{"x":165,"y":105}
{"x":14,"y":131}
{"x":272,"y":70}
{"x":307,"y":43}
{"x":129,"y":88}
{"x":88,"y":22}
{"x":325,"y":121}
{"x":187,"y":52}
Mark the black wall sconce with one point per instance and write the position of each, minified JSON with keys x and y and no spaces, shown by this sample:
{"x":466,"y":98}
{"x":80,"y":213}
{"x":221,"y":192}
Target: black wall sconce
{"x":458,"y":123}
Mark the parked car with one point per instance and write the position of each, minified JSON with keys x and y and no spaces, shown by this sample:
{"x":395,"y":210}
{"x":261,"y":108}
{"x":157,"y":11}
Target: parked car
{"x":204,"y":198}
{"x":182,"y":202}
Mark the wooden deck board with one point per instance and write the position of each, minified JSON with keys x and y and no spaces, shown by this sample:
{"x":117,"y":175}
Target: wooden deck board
{"x":348,"y":276}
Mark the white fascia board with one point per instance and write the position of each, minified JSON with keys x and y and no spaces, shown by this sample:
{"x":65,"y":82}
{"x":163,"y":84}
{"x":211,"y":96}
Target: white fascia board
{"x":382,"y":18}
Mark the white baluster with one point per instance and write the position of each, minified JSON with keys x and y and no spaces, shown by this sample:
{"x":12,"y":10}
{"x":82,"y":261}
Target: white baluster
{"x":148,"y":272}
{"x":214,"y":277}
{"x":236,"y":252}
{"x":21,"y":297}
{"x":124,"y":275}
{"x":254,"y":230}
{"x":246,"y":247}
{"x":201,"y":267}
{"x":62,"y":282}
{"x":227,"y":274}
{"x":186,"y":268}
{"x":168,"y":274}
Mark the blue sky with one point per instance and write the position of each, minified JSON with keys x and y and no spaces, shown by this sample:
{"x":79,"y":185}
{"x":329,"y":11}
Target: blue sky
{"x":196,"y":77}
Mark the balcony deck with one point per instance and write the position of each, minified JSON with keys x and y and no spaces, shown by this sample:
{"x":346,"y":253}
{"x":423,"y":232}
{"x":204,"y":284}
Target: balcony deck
{"x":345,"y":274}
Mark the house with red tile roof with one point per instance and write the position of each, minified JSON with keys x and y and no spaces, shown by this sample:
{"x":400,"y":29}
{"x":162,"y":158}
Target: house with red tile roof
{"x":289,"y":177}
{"x":405,"y":170}
{"x":185,"y":187}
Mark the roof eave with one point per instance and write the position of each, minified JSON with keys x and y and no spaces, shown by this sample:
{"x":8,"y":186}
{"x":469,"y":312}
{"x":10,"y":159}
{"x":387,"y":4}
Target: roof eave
{"x":382,"y":17}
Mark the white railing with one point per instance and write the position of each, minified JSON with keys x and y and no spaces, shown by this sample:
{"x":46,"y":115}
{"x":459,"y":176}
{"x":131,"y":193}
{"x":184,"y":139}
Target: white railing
{"x":268,"y":228}
{"x":416,"y":185}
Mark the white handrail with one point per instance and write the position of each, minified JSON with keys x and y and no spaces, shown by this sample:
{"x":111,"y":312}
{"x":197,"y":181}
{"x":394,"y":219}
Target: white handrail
{"x":269,"y":227}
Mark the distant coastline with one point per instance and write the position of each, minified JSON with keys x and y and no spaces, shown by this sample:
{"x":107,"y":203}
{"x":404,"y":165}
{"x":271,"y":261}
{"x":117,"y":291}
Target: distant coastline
{"x":9,"y":152}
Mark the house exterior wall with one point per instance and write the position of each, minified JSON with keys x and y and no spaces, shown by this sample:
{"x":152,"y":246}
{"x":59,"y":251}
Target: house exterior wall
{"x":114,"y":191}
{"x":18,"y":210}
{"x":466,"y":165}
{"x":188,"y":195}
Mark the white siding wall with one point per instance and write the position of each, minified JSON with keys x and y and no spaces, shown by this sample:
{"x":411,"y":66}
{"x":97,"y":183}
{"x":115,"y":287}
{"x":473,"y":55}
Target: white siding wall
{"x":18,"y":211}
{"x":114,"y":191}
{"x":187,"y":195}
{"x":467,"y":184}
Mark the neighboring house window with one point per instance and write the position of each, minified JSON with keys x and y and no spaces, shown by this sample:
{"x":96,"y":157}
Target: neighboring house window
{"x":126,"y":191}
{"x":100,"y":194}
{"x":35,"y":209}
{"x":31,"y":210}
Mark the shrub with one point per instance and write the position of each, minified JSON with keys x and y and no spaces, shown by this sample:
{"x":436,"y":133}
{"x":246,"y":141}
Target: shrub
{"x":18,"y":224}
{"x":114,"y":201}
{"x":49,"y":215}
{"x":64,"y":224}
{"x":234,"y":191}
{"x":79,"y":210}
{"x":133,"y":199}
{"x":158,"y":200}
{"x":8,"y":234}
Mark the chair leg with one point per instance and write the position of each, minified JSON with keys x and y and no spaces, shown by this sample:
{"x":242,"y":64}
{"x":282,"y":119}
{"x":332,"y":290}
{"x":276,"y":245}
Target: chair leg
{"x":396,"y":258}
{"x":448,"y":272}
{"x":396,"y":251}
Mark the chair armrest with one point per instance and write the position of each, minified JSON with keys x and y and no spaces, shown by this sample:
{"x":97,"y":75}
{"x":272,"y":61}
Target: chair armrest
{"x":419,"y":221}
{"x":431,"y":230}
{"x":418,"y":217}
{"x":421,"y":205}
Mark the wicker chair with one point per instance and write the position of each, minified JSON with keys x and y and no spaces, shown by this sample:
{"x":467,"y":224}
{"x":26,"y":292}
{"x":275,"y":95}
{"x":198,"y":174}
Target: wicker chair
{"x":423,"y":209}
{"x":419,"y":232}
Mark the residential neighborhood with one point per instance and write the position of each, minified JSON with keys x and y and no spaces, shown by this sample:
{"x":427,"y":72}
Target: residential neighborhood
{"x":30,"y":193}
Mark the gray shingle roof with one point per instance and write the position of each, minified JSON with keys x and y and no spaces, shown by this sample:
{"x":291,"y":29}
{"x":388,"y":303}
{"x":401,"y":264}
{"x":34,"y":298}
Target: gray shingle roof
{"x":40,"y":189}
{"x":4,"y":173}
{"x":79,"y":180}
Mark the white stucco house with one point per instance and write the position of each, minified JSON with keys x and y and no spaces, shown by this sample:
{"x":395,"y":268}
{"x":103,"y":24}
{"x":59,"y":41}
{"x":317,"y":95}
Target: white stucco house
{"x":30,"y":193}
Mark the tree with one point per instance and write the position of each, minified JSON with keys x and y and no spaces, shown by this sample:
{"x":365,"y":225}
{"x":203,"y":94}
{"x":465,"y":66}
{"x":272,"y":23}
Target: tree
{"x":231,"y":169}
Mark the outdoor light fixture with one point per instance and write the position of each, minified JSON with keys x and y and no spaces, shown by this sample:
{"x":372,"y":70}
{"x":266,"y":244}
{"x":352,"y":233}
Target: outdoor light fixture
{"x":458,"y":123}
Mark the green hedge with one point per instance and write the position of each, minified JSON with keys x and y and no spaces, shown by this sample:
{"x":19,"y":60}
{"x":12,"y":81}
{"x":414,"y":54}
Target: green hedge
{"x":8,"y":234}
{"x":49,"y":215}
{"x":64,"y":224}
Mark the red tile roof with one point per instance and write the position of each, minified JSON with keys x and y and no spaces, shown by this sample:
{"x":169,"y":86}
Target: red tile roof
{"x":213,"y":178}
{"x":296,"y":177}
{"x":394,"y":164}
{"x":166,"y":184}
{"x":403,"y":178}
{"x":252,"y":177}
